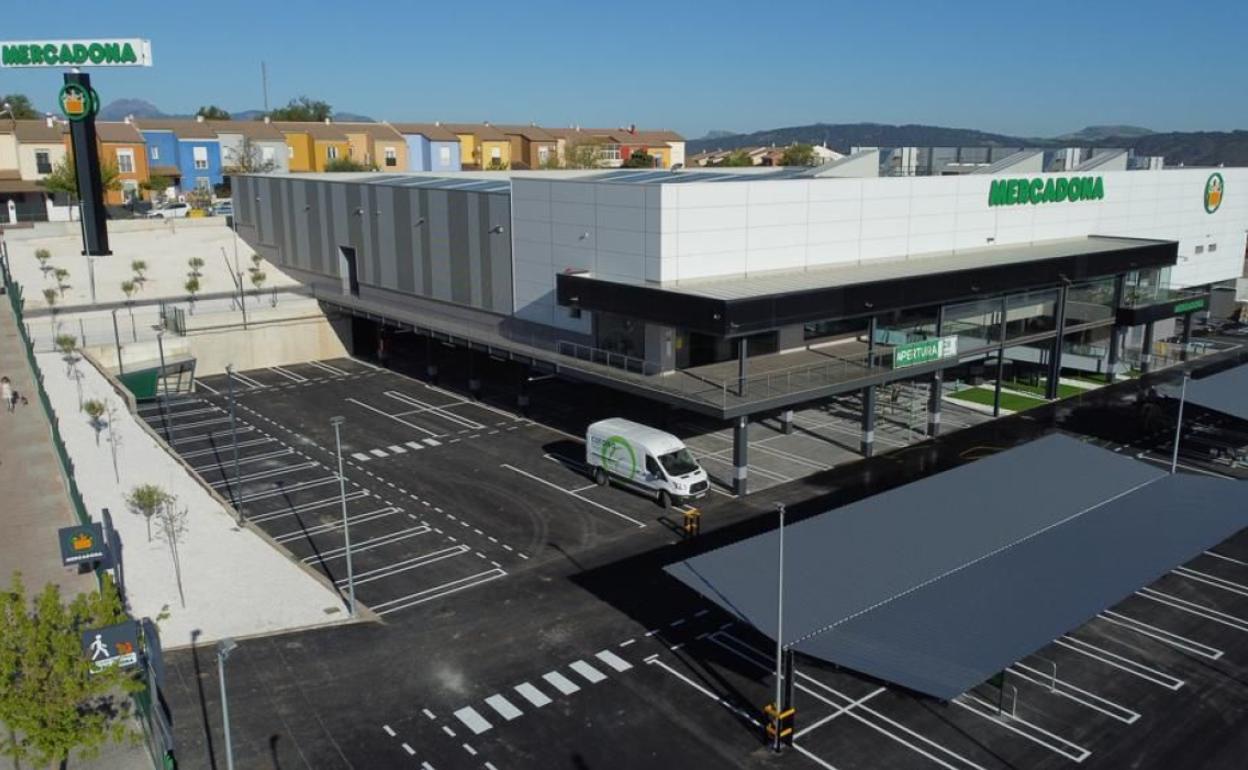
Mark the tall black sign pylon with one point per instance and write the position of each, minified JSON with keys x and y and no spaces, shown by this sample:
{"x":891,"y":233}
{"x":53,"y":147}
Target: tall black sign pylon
{"x":80,"y":104}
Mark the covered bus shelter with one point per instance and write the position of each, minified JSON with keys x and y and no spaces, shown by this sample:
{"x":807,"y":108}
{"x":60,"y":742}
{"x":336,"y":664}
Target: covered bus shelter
{"x":938,"y":585}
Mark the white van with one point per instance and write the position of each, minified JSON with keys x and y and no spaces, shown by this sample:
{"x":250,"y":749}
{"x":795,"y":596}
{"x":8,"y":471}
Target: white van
{"x":649,"y":460}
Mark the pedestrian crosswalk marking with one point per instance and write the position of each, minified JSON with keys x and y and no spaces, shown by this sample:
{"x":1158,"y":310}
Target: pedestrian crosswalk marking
{"x":433,"y":442}
{"x":532,"y":694}
{"x":504,"y":707}
{"x":614,"y":661}
{"x":361,"y":457}
{"x":398,"y":450}
{"x":560,"y":682}
{"x":378,"y":453}
{"x":415,"y":445}
{"x":593,"y":675}
{"x":472,"y":720}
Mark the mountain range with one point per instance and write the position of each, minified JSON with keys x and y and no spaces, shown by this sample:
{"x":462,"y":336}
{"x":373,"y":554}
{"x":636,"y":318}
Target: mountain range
{"x":118,"y":109}
{"x":1189,"y":148}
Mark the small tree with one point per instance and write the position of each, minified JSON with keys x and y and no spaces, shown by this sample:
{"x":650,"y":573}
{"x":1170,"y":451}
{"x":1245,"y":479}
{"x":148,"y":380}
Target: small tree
{"x":798,"y":155}
{"x":67,"y":344}
{"x":497,"y":164}
{"x":157,"y":185}
{"x":139,"y":267}
{"x":146,"y":501}
{"x":95,"y":410}
{"x":43,"y":255}
{"x":171,"y":527}
{"x":586,"y":154}
{"x":127,"y":288}
{"x":195,"y":263}
{"x":192,"y":288}
{"x":61,"y":275}
{"x":52,"y":700}
{"x":64,"y":178}
{"x":303,"y":108}
{"x":199,"y":198}
{"x":257,"y":279}
{"x":738,"y":158}
{"x":50,"y":297}
{"x":20,"y":107}
{"x":256,"y":259}
{"x":347,"y":164}
{"x":639,"y":159}
{"x":247,"y":158}
{"x":212,"y":112}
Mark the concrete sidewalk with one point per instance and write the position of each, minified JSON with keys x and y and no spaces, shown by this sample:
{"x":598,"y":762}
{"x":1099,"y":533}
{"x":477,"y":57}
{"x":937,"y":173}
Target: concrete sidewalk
{"x":36,"y":500}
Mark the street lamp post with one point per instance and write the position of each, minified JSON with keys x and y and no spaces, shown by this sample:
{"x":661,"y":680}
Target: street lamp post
{"x":777,"y":738}
{"x":164,"y":384}
{"x":1178,"y":428}
{"x":346,"y":530}
{"x":117,"y":339}
{"x":224,"y":648}
{"x":238,"y":479}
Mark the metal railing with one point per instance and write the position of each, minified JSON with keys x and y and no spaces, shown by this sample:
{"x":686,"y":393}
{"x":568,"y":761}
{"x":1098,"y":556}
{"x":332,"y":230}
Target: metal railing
{"x":606,"y":357}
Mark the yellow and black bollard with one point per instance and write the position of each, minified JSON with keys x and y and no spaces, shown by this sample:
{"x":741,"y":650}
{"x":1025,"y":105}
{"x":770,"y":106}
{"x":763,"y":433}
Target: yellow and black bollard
{"x":779,"y":725}
{"x":693,"y":522}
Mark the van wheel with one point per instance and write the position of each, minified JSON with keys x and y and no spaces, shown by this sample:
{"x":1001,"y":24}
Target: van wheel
{"x":665,"y":500}
{"x":600,"y":477}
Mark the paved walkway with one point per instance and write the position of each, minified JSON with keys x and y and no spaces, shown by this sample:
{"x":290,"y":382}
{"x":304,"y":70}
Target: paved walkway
{"x":36,"y":501}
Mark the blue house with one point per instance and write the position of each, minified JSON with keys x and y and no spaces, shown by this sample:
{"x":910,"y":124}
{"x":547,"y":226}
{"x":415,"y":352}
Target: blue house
{"x":430,"y":147}
{"x":186,"y":151}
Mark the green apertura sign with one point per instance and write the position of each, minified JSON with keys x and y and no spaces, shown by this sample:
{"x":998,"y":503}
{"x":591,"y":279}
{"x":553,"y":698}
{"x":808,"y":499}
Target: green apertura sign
{"x":1189,"y":306}
{"x":110,"y":52}
{"x":1010,"y":192}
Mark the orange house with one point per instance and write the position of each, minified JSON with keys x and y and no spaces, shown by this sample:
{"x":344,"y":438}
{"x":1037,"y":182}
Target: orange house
{"x":122,"y":146}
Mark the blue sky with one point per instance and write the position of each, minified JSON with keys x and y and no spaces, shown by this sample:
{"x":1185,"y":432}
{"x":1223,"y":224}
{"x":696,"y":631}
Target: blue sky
{"x":1019,"y":68}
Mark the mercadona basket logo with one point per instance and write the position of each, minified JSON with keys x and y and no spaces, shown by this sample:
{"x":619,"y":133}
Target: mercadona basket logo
{"x":1213,"y":192}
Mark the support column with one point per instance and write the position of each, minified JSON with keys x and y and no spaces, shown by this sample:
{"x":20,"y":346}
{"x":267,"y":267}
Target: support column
{"x":938,"y":378}
{"x":996,"y":396}
{"x":1187,"y":334}
{"x":474,"y":382}
{"x":1146,"y":350}
{"x":867,"y":447}
{"x":431,"y":365}
{"x":522,"y":391}
{"x":786,"y":421}
{"x":740,"y":454}
{"x":1051,"y":390}
{"x":742,"y":357}
{"x":1115,"y":333}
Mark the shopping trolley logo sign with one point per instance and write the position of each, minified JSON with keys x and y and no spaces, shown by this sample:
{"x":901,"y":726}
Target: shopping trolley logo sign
{"x":1213,"y":192}
{"x":116,"y":645}
{"x":81,"y":544}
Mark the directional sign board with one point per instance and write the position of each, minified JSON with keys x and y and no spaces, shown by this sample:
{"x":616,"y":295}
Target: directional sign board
{"x":83,"y":543}
{"x":110,"y":646}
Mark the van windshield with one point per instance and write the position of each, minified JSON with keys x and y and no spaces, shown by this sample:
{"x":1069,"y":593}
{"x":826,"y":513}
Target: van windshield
{"x":678,"y":463}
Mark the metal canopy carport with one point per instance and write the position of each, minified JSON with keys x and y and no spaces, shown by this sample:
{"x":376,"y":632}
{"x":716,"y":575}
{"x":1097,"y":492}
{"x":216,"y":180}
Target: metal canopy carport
{"x":939,"y":584}
{"x":1225,"y":392}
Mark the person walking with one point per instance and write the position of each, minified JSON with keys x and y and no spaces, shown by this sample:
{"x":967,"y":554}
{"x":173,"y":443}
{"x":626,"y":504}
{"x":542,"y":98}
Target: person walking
{"x":6,"y":393}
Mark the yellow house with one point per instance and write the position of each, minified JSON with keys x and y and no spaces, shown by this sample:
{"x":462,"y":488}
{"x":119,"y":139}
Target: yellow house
{"x":378,"y":145}
{"x":481,"y":145}
{"x":313,"y":146}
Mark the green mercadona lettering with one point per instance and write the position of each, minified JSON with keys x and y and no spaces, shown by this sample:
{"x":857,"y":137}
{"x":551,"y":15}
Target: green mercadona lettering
{"x":1009,"y":192}
{"x":69,"y":53}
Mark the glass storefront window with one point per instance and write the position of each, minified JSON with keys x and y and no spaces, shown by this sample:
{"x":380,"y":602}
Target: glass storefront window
{"x":1032,"y":312}
{"x":976,"y":324}
{"x":1090,"y":302}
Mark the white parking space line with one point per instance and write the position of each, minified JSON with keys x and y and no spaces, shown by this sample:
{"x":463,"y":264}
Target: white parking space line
{"x":376,"y":542}
{"x":389,"y":730}
{"x":504,"y":707}
{"x":1226,"y":558}
{"x":415,"y":445}
{"x":327,"y":368}
{"x":228,"y":447}
{"x":1161,"y":635}
{"x":305,"y":507}
{"x":292,"y":376}
{"x":432,"y":442}
{"x":743,"y":713}
{"x":478,"y":404}
{"x":591,"y":674}
{"x":179,"y":438}
{"x":405,"y":565}
{"x":389,"y":416}
{"x":396,"y":449}
{"x":1199,"y":610}
{"x":336,"y":524}
{"x":1211,"y":580}
{"x":178,"y":426}
{"x":840,"y":711}
{"x":561,"y":682}
{"x":242,"y":460}
{"x":410,"y":751}
{"x":260,"y":475}
{"x":250,"y":383}
{"x":1031,"y":732}
{"x":437,"y":592}
{"x":532,"y":694}
{"x":1124,"y":664}
{"x":360,"y":456}
{"x":552,"y":485}
{"x":435,"y":410}
{"x":177,"y":415}
{"x":614,"y":661}
{"x":472,"y":720}
{"x":1064,"y":689}
{"x":281,"y":491}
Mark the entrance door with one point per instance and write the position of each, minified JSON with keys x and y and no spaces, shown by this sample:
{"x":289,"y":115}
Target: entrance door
{"x":348,"y":272}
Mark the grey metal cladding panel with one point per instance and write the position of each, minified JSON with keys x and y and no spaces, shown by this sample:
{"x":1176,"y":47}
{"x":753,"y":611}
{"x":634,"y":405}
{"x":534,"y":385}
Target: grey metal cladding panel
{"x":400,"y":238}
{"x":457,"y":255}
{"x":339,"y":232}
{"x":286,"y":239}
{"x":325,"y":208}
{"x":421,"y":270}
{"x":1225,"y":392}
{"x":500,"y":267}
{"x":368,"y":228}
{"x":473,"y":245}
{"x":878,"y":547}
{"x":954,"y":633}
{"x":264,"y":219}
{"x":299,"y":241}
{"x":438,"y":255}
{"x":314,"y":224}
